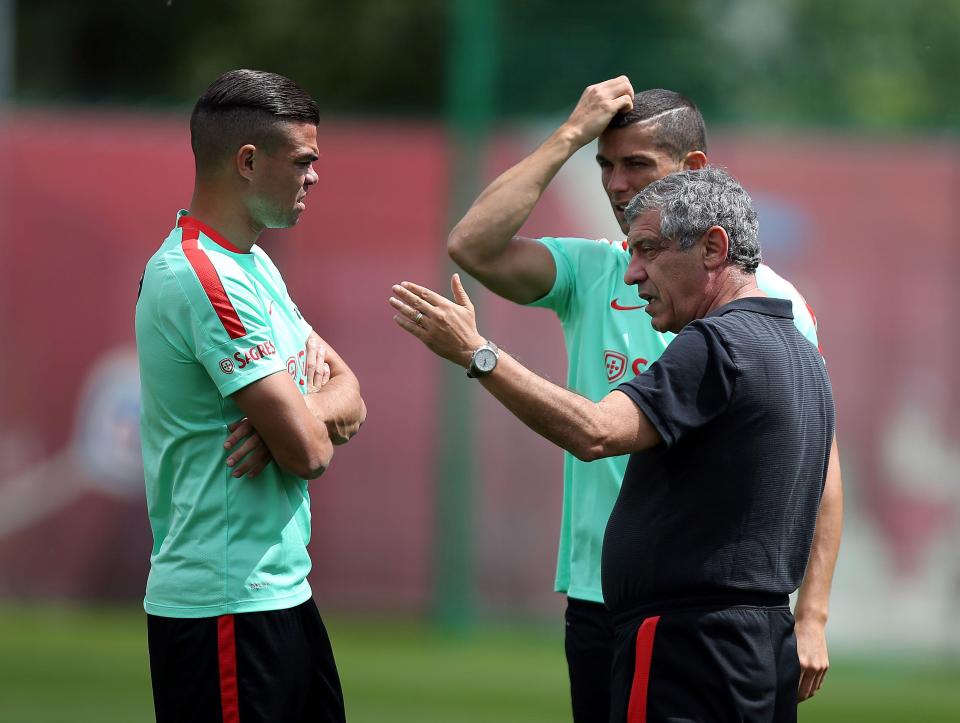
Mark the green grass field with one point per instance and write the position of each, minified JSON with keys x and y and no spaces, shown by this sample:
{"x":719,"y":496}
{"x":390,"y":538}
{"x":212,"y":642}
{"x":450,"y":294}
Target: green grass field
{"x":69,"y":665}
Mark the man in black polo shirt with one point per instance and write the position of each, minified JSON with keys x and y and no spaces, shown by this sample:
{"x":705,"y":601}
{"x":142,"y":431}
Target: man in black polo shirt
{"x":730,"y":434}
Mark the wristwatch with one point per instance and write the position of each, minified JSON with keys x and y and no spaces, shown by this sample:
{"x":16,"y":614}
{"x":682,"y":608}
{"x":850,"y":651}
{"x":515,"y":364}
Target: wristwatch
{"x":484,"y":360}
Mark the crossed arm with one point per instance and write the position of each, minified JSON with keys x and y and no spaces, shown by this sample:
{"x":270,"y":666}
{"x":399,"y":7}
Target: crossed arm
{"x":297,"y":430}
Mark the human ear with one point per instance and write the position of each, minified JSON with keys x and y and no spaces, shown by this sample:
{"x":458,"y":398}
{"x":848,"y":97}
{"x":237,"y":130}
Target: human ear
{"x":694,"y":161}
{"x":245,"y":160}
{"x":716,"y":246}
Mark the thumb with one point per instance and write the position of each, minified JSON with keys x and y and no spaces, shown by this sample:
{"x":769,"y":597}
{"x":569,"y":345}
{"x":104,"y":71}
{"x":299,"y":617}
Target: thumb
{"x":459,"y":293}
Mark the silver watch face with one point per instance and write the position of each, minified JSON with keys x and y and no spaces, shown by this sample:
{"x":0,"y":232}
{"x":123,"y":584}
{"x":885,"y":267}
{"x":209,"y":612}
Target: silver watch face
{"x":485,"y":360}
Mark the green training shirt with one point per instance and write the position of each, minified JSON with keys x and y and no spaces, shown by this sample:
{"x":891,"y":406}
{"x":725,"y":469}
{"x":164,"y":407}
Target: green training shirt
{"x":609,"y":340}
{"x":211,"y":320}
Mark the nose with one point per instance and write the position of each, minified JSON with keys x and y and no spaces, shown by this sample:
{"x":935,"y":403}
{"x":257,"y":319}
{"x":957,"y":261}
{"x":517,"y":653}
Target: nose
{"x":617,"y":180}
{"x":311,"y":178}
{"x":636,"y":272}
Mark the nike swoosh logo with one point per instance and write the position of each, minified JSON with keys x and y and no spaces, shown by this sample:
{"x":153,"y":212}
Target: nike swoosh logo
{"x":616,"y":306}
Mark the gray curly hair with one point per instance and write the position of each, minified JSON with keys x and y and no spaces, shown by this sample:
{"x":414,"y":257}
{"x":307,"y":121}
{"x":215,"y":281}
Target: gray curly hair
{"x":690,"y":202}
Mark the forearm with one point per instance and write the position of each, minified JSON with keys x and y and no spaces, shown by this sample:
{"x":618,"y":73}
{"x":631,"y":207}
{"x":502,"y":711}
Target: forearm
{"x":497,"y":215}
{"x":813,"y":598}
{"x":567,"y":419}
{"x":339,"y":406}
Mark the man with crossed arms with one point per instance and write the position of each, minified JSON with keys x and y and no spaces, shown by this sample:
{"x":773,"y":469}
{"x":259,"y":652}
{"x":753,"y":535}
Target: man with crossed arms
{"x":642,"y":137}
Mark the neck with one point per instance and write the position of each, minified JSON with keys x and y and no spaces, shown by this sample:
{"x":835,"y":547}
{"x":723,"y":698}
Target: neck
{"x":732,"y":284}
{"x":225,"y":212}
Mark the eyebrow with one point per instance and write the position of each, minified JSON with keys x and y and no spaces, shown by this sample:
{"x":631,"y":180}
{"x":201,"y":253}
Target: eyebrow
{"x":629,"y":157}
{"x":306,"y":155}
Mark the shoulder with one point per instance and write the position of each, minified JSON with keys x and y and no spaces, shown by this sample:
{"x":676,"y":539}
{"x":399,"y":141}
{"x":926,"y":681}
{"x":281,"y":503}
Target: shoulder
{"x":596,"y":252}
{"x":774,"y":285}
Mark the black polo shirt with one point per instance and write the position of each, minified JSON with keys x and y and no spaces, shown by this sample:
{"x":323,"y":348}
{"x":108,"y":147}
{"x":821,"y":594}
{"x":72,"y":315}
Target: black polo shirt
{"x":726,"y":505}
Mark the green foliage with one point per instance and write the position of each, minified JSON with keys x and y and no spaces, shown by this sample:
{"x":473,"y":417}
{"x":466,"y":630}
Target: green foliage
{"x":364,"y":56}
{"x":859,"y":63}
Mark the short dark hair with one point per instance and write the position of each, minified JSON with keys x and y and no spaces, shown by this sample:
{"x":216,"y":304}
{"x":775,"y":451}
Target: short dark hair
{"x":245,"y":106}
{"x":679,"y":122}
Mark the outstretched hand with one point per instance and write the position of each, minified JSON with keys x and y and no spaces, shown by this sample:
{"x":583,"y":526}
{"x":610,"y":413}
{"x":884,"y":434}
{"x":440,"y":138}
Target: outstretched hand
{"x":597,"y":106}
{"x":448,"y":328}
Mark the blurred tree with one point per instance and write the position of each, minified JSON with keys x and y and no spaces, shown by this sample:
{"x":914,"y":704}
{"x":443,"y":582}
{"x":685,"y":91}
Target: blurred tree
{"x":362,"y":56}
{"x":858,"y":63}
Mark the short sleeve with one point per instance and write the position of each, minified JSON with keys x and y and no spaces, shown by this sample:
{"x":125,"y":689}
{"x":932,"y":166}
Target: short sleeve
{"x":690,"y":385}
{"x":559,"y":296}
{"x":225,"y":329}
{"x":575,"y":258}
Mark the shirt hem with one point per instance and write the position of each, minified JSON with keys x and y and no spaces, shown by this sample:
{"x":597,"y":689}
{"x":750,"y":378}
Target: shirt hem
{"x":583,"y":593}
{"x":239,"y":606}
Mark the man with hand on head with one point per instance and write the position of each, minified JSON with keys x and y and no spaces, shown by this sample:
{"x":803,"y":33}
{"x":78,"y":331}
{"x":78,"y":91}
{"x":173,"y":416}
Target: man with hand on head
{"x":233,"y":631}
{"x":642,"y":137}
{"x":729,"y":434}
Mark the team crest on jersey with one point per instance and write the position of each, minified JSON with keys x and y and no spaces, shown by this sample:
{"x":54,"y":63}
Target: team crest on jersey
{"x":616,"y":364}
{"x":226,"y":366}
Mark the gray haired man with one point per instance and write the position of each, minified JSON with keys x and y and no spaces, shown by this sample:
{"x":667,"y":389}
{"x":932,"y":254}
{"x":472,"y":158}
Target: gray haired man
{"x":729,"y":434}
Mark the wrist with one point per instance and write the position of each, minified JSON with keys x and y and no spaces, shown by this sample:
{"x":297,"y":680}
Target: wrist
{"x":810,"y":616}
{"x":483,"y":360}
{"x":568,"y":140}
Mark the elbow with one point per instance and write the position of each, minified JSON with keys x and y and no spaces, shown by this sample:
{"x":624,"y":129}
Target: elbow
{"x":588,"y":452}
{"x":458,"y":248}
{"x":310,"y":459}
{"x":316,"y":464}
{"x":590,"y":446}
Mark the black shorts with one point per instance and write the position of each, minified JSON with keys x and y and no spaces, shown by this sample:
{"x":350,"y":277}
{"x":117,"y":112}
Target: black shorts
{"x":251,"y":667}
{"x":589,"y":646}
{"x":731,"y":664}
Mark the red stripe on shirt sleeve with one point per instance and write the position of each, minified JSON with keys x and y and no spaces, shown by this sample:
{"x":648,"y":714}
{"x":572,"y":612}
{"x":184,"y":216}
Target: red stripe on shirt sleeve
{"x":212,"y":286}
{"x":227,"y":647}
{"x":637,"y":709}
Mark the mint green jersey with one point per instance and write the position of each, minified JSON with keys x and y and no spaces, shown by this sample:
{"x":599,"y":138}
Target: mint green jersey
{"x":609,"y":339}
{"x":211,"y":320}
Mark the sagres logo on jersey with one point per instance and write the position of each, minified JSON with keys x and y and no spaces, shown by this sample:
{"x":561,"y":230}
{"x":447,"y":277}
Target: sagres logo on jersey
{"x":616,"y":364}
{"x":254,"y":353}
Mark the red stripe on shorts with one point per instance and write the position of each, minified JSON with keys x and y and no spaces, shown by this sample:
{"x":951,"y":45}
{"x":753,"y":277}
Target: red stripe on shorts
{"x":227,"y":647}
{"x":210,"y":281}
{"x":637,"y":709}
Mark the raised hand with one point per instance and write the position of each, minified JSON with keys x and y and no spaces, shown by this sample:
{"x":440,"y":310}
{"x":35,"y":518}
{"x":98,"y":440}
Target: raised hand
{"x":598,"y":104}
{"x":448,"y":328}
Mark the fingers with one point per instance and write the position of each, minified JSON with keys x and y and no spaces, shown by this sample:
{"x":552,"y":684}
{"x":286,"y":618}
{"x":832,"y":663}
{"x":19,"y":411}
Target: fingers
{"x":624,"y":104}
{"x":408,"y":312}
{"x":616,"y":87}
{"x":806,"y":685}
{"x":420,"y":297}
{"x":324,"y":374}
{"x":249,"y":458}
{"x":459,"y":293}
{"x":238,"y":430}
{"x":254,"y":463}
{"x":408,"y":324}
{"x":811,"y":679}
{"x":315,"y":356}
